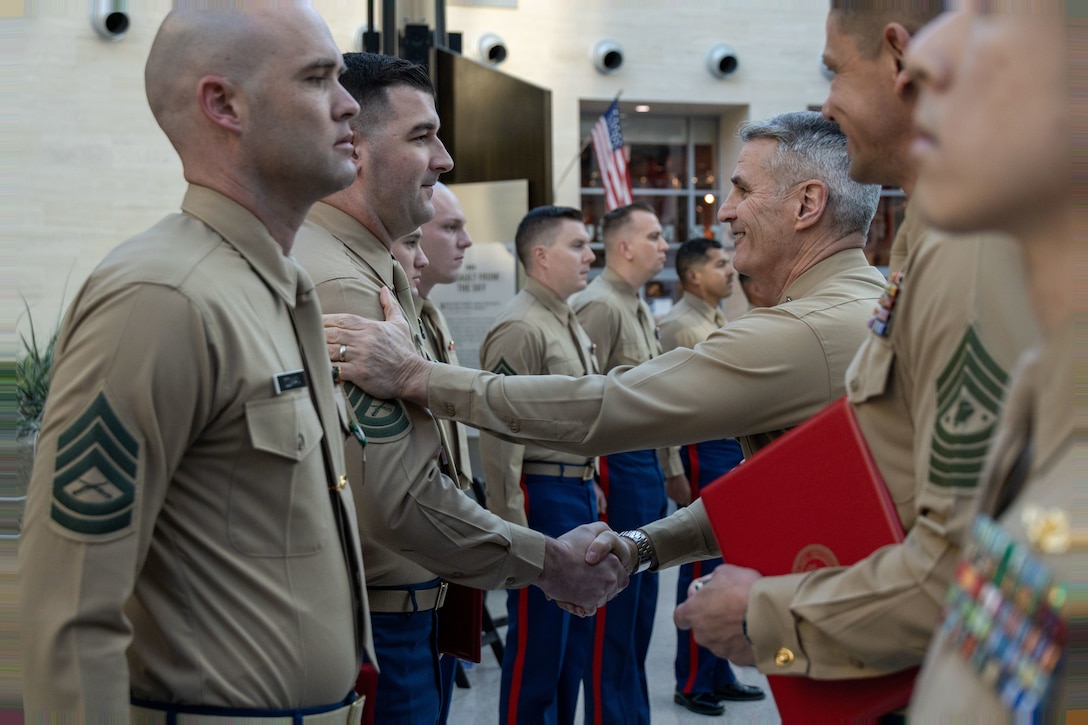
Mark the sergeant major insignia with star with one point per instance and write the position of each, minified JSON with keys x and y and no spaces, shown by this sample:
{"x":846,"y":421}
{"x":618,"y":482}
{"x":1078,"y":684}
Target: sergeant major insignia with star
{"x":969,"y":395}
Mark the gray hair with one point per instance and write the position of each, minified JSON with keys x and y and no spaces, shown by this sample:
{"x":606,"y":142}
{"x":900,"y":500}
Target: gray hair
{"x":811,"y":147}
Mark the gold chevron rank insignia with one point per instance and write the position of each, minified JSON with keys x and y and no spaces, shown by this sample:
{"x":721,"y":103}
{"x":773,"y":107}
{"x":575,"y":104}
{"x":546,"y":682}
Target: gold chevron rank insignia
{"x":970,"y":391}
{"x":94,"y":481}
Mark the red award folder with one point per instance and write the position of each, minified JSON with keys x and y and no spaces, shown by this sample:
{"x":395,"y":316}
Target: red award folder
{"x":812,"y":498}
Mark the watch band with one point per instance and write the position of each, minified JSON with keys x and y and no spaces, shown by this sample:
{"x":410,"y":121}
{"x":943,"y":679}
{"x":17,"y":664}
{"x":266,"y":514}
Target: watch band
{"x":644,"y":546}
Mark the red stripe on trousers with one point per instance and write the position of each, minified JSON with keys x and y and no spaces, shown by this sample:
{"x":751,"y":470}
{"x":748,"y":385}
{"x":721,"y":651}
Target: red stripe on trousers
{"x":598,"y":657}
{"x":519,"y":660}
{"x":598,"y":630}
{"x":693,"y":646}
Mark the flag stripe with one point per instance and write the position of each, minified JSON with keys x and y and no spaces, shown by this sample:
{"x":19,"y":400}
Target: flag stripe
{"x":611,"y":161}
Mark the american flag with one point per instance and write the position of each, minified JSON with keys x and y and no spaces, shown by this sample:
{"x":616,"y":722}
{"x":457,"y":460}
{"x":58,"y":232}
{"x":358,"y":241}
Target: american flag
{"x":608,"y":148}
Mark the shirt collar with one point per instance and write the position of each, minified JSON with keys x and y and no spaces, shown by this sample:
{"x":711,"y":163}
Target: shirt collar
{"x":620,"y":285}
{"x":356,"y":238}
{"x":548,"y":298}
{"x":818,"y":273}
{"x":246,"y":233}
{"x":700,"y":305}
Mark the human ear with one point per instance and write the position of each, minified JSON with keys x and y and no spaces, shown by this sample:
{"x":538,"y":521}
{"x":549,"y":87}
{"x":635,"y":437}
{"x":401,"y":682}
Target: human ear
{"x":220,"y":103}
{"x":896,"y":41}
{"x":812,"y":204}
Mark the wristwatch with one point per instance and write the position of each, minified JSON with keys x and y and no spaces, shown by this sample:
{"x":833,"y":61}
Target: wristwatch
{"x":644,"y":546}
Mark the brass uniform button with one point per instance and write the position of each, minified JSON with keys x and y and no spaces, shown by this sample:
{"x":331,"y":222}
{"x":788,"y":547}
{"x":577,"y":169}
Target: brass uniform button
{"x":515,"y":427}
{"x":450,"y":410}
{"x":783,"y":657}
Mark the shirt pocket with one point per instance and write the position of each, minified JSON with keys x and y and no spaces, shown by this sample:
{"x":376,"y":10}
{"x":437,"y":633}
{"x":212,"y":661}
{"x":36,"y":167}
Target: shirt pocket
{"x":279,"y":505}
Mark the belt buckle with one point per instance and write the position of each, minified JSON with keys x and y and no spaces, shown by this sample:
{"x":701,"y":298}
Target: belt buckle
{"x":443,"y":589}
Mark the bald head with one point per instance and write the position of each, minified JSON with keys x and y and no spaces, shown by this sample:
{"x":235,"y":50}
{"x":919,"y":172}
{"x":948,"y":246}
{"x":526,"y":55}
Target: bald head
{"x":251,"y":99}
{"x":226,"y":43}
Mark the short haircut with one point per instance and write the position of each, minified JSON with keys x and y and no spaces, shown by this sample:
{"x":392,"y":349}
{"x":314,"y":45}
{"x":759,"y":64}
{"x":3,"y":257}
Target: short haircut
{"x":368,"y":78}
{"x":865,"y":20}
{"x":535,"y":229}
{"x":693,"y":253}
{"x":616,"y":219}
{"x":811,"y":147}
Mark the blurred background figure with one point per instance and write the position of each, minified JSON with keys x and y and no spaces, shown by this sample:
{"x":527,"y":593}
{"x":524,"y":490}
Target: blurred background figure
{"x":408,"y":252}
{"x":1013,"y":639}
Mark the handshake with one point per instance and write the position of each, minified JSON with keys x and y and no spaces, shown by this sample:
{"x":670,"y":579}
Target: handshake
{"x":586,"y":567}
{"x":589,"y":565}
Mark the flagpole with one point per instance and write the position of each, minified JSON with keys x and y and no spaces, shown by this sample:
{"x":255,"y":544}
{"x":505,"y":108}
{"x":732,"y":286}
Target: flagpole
{"x":584,"y":145}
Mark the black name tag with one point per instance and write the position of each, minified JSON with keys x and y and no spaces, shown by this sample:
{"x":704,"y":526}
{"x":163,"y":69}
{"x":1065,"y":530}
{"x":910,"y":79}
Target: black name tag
{"x":289,"y":381}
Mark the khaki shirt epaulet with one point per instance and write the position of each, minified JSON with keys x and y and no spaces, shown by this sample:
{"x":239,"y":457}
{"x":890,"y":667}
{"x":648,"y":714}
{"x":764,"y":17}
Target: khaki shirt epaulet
{"x":408,"y":509}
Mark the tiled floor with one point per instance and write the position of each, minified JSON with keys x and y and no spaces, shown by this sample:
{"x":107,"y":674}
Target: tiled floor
{"x":480,"y":703}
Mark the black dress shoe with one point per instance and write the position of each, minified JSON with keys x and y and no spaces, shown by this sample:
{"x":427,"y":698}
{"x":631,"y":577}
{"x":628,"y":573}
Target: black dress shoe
{"x":701,"y":703}
{"x":738,"y":691}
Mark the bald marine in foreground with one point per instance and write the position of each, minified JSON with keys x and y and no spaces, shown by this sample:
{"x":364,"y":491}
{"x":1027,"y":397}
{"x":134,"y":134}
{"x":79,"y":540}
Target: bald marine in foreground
{"x":190,"y":537}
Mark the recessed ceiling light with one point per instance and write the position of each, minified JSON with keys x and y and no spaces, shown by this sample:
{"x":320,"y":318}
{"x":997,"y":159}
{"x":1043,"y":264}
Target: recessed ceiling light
{"x":642,"y":109}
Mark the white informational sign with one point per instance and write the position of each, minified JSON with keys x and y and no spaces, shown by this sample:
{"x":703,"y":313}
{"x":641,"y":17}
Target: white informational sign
{"x":488,"y":280}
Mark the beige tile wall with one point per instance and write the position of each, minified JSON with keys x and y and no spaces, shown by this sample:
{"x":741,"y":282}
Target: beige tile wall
{"x":86,"y":166}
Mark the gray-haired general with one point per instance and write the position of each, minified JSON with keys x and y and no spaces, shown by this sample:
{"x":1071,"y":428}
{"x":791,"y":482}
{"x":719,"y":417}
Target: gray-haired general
{"x":800,"y":223}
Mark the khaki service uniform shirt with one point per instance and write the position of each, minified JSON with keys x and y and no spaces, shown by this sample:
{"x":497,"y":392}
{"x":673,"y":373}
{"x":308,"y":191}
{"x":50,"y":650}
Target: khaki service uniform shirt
{"x":181,"y":542}
{"x":623,"y":330}
{"x":536,"y":333}
{"x":752,"y":379}
{"x":689,"y":322}
{"x":1039,"y":418}
{"x":415,"y":523}
{"x":438,"y":342}
{"x":927,"y":396}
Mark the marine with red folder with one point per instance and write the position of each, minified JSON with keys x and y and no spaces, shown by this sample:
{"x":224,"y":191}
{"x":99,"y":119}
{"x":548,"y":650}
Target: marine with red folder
{"x":830,"y":508}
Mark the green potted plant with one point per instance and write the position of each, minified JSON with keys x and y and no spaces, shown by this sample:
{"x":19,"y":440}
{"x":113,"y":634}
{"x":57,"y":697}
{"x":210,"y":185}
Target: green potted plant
{"x":30,"y":379}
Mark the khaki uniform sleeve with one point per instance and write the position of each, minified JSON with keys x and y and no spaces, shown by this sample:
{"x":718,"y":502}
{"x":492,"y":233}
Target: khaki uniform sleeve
{"x":684,"y":536}
{"x":514,"y":348}
{"x":407,"y":505}
{"x":729,"y":386}
{"x":964,"y":317}
{"x":135,"y":358}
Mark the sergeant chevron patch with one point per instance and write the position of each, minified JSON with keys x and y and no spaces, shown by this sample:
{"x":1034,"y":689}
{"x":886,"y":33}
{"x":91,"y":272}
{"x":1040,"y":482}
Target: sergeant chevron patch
{"x":383,"y":421}
{"x":94,"y":481}
{"x":504,"y":368}
{"x":969,"y":396}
